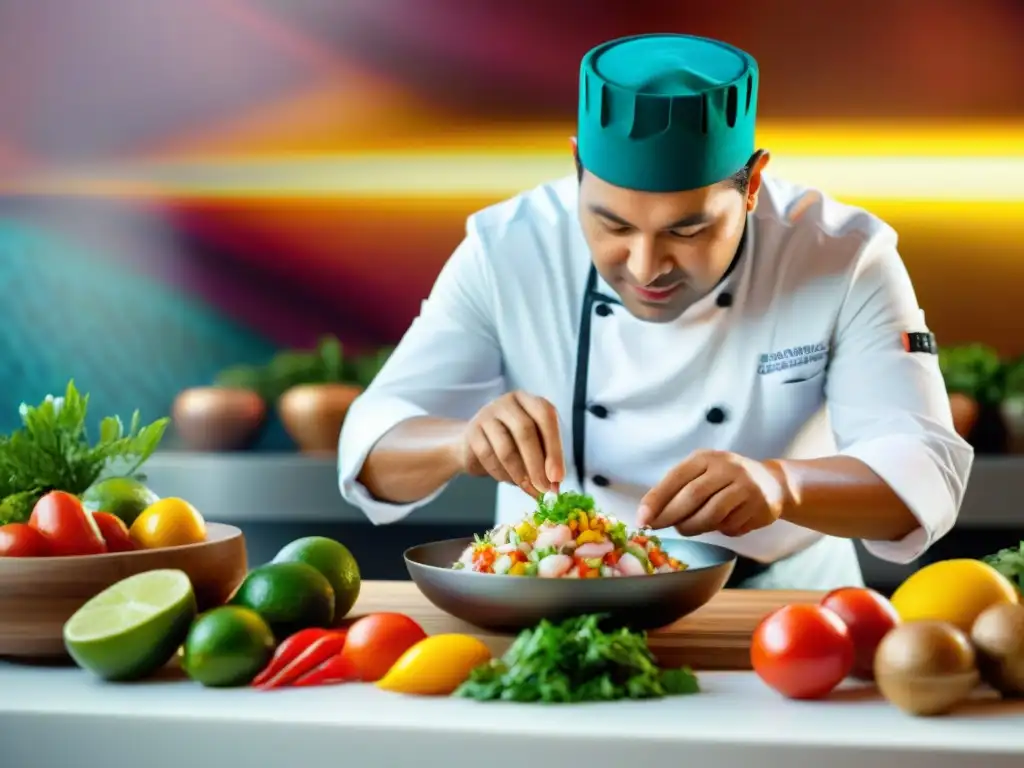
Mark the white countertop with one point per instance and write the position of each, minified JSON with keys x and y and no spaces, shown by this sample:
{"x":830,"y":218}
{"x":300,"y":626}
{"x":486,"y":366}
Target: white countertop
{"x":64,"y":718}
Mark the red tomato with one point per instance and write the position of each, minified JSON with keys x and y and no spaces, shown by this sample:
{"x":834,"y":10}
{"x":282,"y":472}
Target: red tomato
{"x":375,"y":642}
{"x":114,"y":532}
{"x":869,"y":617}
{"x":802,"y":651}
{"x":68,"y":528}
{"x":21,"y":540}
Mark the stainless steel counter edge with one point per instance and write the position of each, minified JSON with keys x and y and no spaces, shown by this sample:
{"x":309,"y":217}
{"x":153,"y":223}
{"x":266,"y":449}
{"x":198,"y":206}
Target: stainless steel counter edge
{"x":279,"y":487}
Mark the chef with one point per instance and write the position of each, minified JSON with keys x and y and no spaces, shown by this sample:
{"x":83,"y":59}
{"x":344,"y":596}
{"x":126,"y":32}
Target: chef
{"x":703,"y":348}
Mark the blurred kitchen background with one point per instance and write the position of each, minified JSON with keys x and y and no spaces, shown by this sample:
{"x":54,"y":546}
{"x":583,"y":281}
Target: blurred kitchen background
{"x":259,"y":194}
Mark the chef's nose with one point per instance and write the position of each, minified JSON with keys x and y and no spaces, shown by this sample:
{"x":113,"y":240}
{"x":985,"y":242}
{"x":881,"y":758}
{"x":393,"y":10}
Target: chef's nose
{"x":645,"y":263}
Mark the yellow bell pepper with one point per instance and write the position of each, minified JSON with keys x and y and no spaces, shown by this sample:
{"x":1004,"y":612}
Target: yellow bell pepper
{"x":517,"y":570}
{"x":435,"y":666}
{"x":584,"y":522}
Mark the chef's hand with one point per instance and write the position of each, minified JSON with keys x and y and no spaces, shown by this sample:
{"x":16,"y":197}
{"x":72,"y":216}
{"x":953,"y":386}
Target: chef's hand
{"x":715,"y":491}
{"x":516,"y":439}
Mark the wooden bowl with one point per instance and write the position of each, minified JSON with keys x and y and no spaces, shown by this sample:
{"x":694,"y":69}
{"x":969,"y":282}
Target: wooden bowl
{"x":218,"y":418}
{"x":312,"y":414}
{"x":39,"y":594}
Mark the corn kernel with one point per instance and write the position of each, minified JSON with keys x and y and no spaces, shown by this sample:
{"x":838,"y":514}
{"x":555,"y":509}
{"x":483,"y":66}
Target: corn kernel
{"x":589,"y":536}
{"x":526,"y":532}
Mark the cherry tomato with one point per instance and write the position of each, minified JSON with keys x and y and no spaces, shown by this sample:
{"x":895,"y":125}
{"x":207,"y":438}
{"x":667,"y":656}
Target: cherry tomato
{"x":869,"y":617}
{"x":802,"y":651}
{"x":68,"y":528}
{"x":21,"y":540}
{"x":114,"y":532}
{"x":375,"y":642}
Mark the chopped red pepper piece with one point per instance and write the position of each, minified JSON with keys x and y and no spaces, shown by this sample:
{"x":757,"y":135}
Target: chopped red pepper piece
{"x":657,"y":557}
{"x":313,"y":656}
{"x":337,"y":669}
{"x":287,"y":651}
{"x":612,"y":558}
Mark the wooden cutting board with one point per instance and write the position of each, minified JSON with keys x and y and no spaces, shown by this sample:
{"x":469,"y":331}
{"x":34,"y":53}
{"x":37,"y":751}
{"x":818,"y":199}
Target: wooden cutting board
{"x":716,"y":637}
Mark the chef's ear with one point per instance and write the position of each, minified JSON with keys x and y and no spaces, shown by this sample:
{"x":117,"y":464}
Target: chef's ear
{"x":757,"y":165}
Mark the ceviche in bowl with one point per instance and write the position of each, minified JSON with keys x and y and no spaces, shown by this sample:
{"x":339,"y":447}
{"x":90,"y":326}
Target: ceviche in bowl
{"x":567,"y":538}
{"x":567,"y":559}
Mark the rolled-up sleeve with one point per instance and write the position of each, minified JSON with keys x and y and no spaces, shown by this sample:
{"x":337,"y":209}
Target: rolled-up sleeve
{"x":448,"y":364}
{"x":888,"y":406}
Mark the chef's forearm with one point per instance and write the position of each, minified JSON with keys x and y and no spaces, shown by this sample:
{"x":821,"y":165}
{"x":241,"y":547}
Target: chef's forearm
{"x":842,"y":496}
{"x":413,"y":460}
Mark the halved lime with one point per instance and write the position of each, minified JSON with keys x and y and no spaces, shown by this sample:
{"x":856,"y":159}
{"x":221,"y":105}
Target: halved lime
{"x":133,"y":627}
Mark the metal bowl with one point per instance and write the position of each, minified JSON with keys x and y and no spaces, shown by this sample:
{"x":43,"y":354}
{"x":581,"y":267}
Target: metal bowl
{"x":511,"y":603}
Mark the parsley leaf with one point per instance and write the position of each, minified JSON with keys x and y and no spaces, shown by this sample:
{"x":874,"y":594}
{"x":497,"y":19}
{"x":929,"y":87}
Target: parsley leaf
{"x":576,"y":661}
{"x":51,"y":451}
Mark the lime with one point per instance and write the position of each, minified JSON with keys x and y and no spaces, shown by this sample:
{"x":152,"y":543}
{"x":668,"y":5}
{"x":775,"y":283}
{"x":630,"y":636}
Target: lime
{"x":289,"y":597}
{"x":227,"y":646}
{"x":334,"y":561}
{"x":125,"y":497}
{"x":133,"y":627}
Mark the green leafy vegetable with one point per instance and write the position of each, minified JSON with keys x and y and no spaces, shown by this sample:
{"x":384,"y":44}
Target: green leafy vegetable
{"x":563,"y":508}
{"x":326,"y":364}
{"x":1013,"y":379}
{"x":1010,"y":563}
{"x":51,"y":451}
{"x":974,"y":370}
{"x":576,"y":661}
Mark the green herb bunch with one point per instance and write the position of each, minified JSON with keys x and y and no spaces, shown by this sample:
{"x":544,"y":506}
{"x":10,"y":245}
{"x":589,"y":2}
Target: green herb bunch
{"x":1010,"y":563}
{"x":576,"y":661}
{"x":974,"y":370}
{"x":562,"y":508}
{"x":51,"y":451}
{"x":327,"y":364}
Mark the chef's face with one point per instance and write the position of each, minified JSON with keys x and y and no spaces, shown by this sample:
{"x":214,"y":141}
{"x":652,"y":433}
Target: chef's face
{"x":662,"y":252}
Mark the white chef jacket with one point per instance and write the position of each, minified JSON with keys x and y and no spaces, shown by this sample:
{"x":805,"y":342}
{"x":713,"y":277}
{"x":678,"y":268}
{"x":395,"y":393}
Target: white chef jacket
{"x":797,"y":353}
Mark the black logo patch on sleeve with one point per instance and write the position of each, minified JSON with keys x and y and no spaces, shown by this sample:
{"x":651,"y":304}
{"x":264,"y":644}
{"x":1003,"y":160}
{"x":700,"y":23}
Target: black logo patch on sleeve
{"x":920,"y":342}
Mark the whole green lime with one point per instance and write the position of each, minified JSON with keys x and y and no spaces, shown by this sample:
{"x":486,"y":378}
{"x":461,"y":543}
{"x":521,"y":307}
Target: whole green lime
{"x":134,"y":627}
{"x":289,"y":597}
{"x":334,"y":561}
{"x":227,"y":646}
{"x":124,"y":497}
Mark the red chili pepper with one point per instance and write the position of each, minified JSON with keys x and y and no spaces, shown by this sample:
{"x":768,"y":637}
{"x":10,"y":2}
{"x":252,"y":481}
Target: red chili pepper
{"x":317,"y":653}
{"x":657,"y":557}
{"x":337,"y":669}
{"x":287,"y":651}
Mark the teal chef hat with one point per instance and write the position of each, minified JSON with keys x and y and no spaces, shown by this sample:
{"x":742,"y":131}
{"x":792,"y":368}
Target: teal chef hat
{"x":666,"y":113}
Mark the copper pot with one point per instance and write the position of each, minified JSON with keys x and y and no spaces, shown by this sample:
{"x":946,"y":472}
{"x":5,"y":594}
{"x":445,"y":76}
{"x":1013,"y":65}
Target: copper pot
{"x":218,"y":418}
{"x":312,"y":414}
{"x":965,"y":413}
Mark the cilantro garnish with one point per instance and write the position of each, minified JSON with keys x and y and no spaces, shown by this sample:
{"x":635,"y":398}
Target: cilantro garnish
{"x":576,"y":661}
{"x":562,"y":508}
{"x":1010,"y":563}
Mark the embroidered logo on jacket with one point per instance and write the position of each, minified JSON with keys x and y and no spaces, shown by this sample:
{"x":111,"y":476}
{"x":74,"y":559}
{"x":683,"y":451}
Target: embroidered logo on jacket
{"x":793,"y":357}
